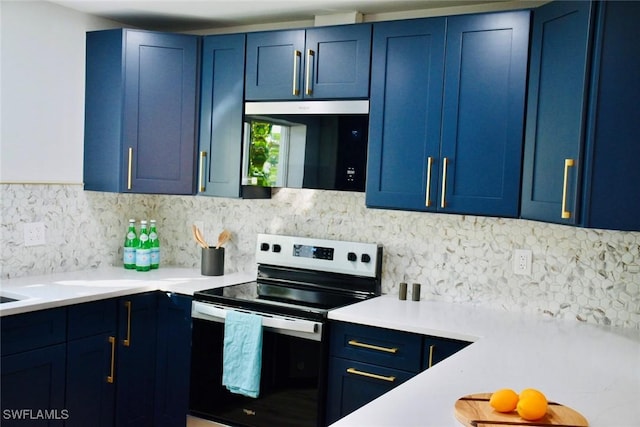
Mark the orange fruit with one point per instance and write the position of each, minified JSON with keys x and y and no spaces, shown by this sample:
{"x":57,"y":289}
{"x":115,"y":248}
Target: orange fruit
{"x":532,"y":406}
{"x":504,"y":400}
{"x":532,"y":392}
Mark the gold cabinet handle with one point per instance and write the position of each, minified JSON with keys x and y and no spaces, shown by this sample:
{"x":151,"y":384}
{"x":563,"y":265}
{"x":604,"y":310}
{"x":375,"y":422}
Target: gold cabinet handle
{"x":431,"y":348}
{"x":370,"y":375}
{"x":203,"y":157}
{"x":355,"y":343}
{"x":567,"y":164}
{"x":127,"y":341}
{"x":443,"y":202}
{"x":112,"y":341}
{"x":129,"y":168}
{"x":296,"y":59}
{"x":308,"y":89}
{"x":427,"y":201}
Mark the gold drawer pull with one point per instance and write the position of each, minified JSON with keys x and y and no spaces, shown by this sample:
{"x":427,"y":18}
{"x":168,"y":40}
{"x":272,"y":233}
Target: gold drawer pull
{"x":431,"y":348}
{"x":112,"y":341}
{"x":127,"y":341}
{"x":308,"y":89}
{"x":129,"y":168}
{"x":203,"y":158}
{"x":429,"y":166}
{"x":296,"y":58}
{"x":567,"y":164}
{"x":355,"y":343}
{"x":370,"y":375}
{"x":443,"y":201}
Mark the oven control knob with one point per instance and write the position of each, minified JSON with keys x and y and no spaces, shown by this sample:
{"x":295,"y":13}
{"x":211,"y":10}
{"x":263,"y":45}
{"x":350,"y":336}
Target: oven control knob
{"x":277,"y":248}
{"x":351,"y":256}
{"x":264,"y":247}
{"x":365,"y":258}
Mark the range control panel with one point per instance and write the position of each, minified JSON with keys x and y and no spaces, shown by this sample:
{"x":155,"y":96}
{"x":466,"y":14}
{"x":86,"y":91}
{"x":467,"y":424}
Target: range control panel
{"x":337,"y":256}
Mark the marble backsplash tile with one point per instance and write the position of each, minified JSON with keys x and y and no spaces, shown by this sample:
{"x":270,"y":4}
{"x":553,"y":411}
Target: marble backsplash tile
{"x":590,"y":275}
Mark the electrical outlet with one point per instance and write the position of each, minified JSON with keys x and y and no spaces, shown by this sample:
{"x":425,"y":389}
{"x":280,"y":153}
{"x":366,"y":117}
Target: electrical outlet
{"x":522,"y":261}
{"x":34,"y":234}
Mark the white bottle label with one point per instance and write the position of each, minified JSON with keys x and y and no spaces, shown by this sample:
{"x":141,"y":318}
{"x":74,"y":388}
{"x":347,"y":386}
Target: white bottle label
{"x":144,"y":237}
{"x":143,"y":257}
{"x":129,"y":256}
{"x":131,"y":235}
{"x":155,"y":256}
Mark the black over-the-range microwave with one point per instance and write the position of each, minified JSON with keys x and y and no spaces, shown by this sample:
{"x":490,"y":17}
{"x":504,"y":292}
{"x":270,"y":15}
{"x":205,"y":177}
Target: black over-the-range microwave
{"x":306,"y":144}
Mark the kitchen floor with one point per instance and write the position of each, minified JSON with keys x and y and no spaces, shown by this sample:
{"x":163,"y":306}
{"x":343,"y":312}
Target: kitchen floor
{"x":199,"y":422}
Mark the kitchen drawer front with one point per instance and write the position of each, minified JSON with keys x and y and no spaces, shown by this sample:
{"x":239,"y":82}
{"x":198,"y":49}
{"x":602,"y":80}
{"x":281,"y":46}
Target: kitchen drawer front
{"x":22,"y":332}
{"x":438,"y":349}
{"x":92,"y":318}
{"x":354,"y":384}
{"x":384,"y":347}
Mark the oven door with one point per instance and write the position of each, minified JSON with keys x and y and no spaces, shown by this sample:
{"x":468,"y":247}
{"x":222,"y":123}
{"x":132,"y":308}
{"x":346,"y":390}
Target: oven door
{"x":292,"y":385}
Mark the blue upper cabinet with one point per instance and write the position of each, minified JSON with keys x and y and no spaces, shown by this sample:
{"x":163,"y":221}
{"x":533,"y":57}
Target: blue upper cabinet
{"x":446,"y":135}
{"x":318,"y":63}
{"x":612,"y":176}
{"x":556,"y":108}
{"x":222,"y":96}
{"x":140,"y":111}
{"x":407,"y":72}
{"x":483,"y":113}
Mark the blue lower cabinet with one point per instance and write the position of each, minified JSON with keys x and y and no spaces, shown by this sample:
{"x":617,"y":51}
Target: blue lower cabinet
{"x":353,"y":384}
{"x":91,"y":358}
{"x":33,"y":384}
{"x":91,"y":383}
{"x":365,"y":362}
{"x":173,"y":360}
{"x":136,"y":360}
{"x":438,"y":349}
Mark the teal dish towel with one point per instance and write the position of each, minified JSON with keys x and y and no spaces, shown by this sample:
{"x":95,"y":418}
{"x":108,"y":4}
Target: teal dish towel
{"x":242,"y":353}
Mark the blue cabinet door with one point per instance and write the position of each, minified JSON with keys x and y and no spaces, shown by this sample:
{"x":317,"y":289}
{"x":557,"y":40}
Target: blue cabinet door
{"x":140,"y":112}
{"x":353,"y":384}
{"x":222,"y":90}
{"x":90,"y":392}
{"x":174,"y":360}
{"x":33,"y":381}
{"x":405,"y":114}
{"x":136,"y":360}
{"x":91,"y":381}
{"x":612,"y":175}
{"x":556,"y":106}
{"x":483,"y":113}
{"x":274,"y":65}
{"x":319,"y":63}
{"x":337,"y":61}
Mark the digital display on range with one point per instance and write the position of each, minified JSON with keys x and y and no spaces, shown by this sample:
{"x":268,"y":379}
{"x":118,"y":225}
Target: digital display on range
{"x":306,"y":251}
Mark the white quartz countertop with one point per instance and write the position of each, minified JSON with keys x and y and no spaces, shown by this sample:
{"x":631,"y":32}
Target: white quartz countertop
{"x":594,"y":370}
{"x":56,"y":290}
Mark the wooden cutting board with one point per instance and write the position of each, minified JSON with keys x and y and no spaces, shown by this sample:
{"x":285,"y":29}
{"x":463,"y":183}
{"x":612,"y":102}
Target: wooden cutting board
{"x":474,"y":411}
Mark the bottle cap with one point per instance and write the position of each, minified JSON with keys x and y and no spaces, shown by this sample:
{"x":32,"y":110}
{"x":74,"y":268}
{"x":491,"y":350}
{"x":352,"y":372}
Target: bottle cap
{"x":143,"y":221}
{"x":132,"y":220}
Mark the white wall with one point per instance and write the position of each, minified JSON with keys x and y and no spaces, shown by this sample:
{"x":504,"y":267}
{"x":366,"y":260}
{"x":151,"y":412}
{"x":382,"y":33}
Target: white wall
{"x":42,"y":91}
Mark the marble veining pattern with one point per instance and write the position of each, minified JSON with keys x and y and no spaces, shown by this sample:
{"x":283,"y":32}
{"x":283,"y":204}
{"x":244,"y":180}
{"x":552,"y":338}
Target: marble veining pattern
{"x":590,"y":275}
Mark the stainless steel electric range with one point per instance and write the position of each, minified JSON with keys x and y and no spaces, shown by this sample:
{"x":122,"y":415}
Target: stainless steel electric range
{"x":299,"y":280}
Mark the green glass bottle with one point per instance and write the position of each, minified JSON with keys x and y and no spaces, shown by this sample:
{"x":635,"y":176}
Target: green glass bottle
{"x":143,"y":251}
{"x":130,"y":246}
{"x":155,"y":244}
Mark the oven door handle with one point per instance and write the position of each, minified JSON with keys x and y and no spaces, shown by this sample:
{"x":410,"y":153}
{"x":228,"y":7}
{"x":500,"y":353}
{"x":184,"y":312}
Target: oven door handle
{"x":278,"y":322}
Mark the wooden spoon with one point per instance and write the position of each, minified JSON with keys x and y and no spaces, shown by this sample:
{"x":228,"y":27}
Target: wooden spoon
{"x":223,"y":238}
{"x":198,"y":236}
